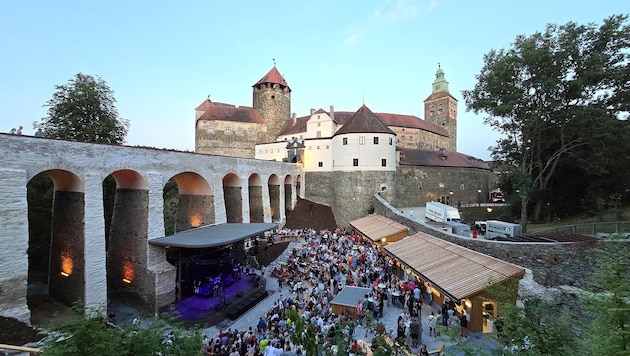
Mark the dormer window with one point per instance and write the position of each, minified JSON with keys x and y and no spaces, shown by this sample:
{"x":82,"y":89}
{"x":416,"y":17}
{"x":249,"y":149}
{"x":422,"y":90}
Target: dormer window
{"x":345,"y":140}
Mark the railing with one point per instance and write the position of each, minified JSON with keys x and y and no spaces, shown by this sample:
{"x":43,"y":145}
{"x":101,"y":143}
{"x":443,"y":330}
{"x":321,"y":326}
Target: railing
{"x":592,"y":228}
{"x":31,"y":350}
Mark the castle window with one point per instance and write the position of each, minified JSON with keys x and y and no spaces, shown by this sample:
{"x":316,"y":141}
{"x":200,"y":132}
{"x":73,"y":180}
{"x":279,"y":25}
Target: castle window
{"x":410,"y":138}
{"x":327,"y":147}
{"x":355,"y":162}
{"x":228,"y":130}
{"x":239,"y":131}
{"x":376,"y":140}
{"x":345,"y":140}
{"x":211,"y":129}
{"x":319,"y":123}
{"x":318,"y":134}
{"x":383,"y":162}
{"x":250,"y":131}
{"x":318,"y":147}
{"x":391,"y":141}
{"x":273,"y":97}
{"x":320,"y":164}
{"x":361,"y":140}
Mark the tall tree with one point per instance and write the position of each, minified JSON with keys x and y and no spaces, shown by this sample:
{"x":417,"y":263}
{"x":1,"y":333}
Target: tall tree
{"x":84,"y":109}
{"x":551,"y":94}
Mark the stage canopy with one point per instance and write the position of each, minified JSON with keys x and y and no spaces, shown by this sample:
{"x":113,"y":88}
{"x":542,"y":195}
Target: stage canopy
{"x":213,"y":235}
{"x":377,"y":228}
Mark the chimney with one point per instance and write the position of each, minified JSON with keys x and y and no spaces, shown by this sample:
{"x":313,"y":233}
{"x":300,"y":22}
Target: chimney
{"x":312,"y":111}
{"x":294,"y":118}
{"x":332,"y":112}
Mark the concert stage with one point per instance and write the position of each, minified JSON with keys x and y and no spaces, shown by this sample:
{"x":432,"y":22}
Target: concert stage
{"x":205,"y":310}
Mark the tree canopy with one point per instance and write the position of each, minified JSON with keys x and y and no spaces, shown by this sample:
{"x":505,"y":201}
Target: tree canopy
{"x":557,"y":96}
{"x":84,"y":109}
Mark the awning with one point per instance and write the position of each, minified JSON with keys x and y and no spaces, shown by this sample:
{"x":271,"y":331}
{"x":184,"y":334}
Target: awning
{"x":213,"y":235}
{"x":377,"y":227}
{"x":457,"y":271}
{"x":350,"y":295}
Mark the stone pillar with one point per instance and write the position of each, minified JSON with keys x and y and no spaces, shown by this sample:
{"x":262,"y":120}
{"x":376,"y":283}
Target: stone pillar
{"x":220,"y":213}
{"x":271,"y":199}
{"x":161,"y":275}
{"x":245,"y":202}
{"x":257,"y":207}
{"x":14,"y":241}
{"x":94,"y":240}
{"x":281,"y":204}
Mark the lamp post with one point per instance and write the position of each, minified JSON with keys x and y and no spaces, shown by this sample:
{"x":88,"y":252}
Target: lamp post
{"x":489,"y":210}
{"x":478,"y":197}
{"x":451,"y":193}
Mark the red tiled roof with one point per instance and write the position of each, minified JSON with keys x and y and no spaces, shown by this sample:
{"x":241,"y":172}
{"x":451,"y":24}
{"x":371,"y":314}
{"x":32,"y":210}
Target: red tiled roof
{"x":227,"y":112}
{"x":296,"y":128}
{"x":364,"y":120}
{"x":398,"y":120}
{"x":441,"y":158}
{"x":273,"y":76}
{"x":204,"y":105}
{"x":442,"y":94}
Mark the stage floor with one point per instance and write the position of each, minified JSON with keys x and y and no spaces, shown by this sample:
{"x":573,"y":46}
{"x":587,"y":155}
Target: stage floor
{"x":204,"y":311}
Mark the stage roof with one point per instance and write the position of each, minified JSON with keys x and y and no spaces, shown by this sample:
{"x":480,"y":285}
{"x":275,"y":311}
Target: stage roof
{"x":213,"y":235}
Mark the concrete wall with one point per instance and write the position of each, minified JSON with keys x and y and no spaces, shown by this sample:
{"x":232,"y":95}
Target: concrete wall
{"x":78,"y":171}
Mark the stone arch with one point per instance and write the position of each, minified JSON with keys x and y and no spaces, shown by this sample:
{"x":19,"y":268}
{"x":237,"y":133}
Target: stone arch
{"x":256,"y":206}
{"x":125,"y":199}
{"x":195,"y":206}
{"x":288,"y":193}
{"x":66,"y":255}
{"x":273,"y":185}
{"x":232,"y":193}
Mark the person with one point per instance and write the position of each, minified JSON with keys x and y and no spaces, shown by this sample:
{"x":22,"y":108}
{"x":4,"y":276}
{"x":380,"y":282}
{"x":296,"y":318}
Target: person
{"x":400,"y":330}
{"x":463,"y":323}
{"x":411,"y":213}
{"x":414,"y":331}
{"x":423,"y":350}
{"x":12,"y":132}
{"x":432,"y":325}
{"x":19,"y":130}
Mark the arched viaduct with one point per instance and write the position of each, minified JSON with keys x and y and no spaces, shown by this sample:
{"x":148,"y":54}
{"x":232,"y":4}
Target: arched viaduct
{"x":83,"y":263}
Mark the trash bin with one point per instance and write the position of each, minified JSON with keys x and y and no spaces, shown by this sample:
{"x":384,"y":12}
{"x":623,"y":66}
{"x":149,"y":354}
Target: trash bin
{"x":474,"y":234}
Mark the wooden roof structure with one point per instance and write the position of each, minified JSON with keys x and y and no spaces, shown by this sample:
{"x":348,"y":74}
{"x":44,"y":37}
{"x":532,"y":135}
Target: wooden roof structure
{"x":455,"y":270}
{"x":376,"y":227}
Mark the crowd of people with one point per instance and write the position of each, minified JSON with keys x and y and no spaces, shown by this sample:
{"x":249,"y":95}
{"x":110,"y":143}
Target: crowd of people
{"x":314,"y":274}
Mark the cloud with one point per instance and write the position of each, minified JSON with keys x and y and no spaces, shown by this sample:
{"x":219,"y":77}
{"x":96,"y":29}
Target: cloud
{"x":390,"y":13}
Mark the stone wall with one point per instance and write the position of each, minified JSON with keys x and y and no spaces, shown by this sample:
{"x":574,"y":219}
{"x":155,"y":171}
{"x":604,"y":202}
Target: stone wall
{"x":256,"y":213}
{"x":353,"y":193}
{"x":552,"y":264}
{"x":273,"y":102}
{"x":194,"y":211}
{"x":319,"y":188}
{"x":232,"y":145}
{"x":417,"y":185}
{"x":418,"y":139}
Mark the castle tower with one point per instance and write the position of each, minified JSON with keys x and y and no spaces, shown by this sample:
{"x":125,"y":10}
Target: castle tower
{"x":272,"y":99}
{"x":440,"y":108}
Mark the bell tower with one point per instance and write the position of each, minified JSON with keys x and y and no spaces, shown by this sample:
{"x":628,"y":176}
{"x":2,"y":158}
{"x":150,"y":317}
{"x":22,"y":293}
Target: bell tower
{"x":440,"y":109}
{"x":272,"y":99}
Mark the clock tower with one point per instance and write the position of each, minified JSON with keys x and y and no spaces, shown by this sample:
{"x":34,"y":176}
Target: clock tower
{"x":440,"y":109}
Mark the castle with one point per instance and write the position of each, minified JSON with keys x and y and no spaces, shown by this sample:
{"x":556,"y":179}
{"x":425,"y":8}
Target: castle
{"x":348,"y":156}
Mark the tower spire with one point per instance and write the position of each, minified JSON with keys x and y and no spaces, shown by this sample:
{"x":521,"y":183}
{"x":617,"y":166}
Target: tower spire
{"x":440,"y":84}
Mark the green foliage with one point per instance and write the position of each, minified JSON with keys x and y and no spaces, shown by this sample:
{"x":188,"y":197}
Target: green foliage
{"x":84,"y":109}
{"x":558,"y":97}
{"x":538,"y":327}
{"x":609,"y":332}
{"x":90,"y":335}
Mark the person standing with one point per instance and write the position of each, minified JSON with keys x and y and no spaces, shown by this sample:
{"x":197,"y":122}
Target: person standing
{"x":19,"y":130}
{"x":432,"y":325}
{"x":415,"y":330}
{"x":12,"y":132}
{"x":39,"y":133}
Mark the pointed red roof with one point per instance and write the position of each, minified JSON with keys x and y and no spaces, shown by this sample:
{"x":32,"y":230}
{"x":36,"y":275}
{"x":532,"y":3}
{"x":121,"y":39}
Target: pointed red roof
{"x":364,"y":121}
{"x":273,"y":76}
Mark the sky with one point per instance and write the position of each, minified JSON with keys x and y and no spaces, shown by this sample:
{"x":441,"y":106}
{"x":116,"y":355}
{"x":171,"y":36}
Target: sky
{"x":163,"y":58}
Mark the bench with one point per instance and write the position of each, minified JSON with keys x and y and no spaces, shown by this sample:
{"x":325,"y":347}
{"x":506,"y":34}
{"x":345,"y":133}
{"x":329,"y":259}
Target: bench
{"x":31,"y":350}
{"x":439,"y":351}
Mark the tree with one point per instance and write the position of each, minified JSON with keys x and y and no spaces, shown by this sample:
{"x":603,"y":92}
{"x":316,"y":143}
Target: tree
{"x":609,"y":331}
{"x":84,"y":109}
{"x":552,"y":94}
